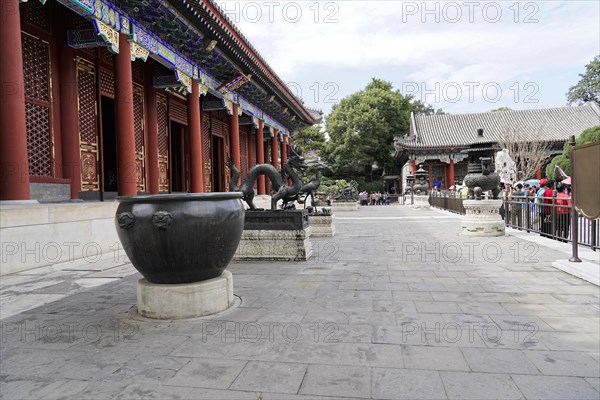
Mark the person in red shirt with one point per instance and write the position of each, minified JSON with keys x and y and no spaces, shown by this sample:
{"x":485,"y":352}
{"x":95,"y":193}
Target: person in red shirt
{"x":547,"y":201}
{"x":563,"y":214}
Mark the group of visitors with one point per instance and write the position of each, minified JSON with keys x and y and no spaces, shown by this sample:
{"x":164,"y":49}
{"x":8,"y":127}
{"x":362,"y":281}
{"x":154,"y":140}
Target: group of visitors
{"x":549,"y":201}
{"x":374,"y":198}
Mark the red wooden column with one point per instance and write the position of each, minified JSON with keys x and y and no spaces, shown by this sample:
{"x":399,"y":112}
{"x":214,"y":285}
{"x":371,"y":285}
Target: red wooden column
{"x":450,"y":174}
{"x":234,"y":137}
{"x":126,"y":171}
{"x":260,"y":156}
{"x":14,"y":165}
{"x":69,"y":121}
{"x":266,"y":145}
{"x":275,"y":149}
{"x":195,"y":128}
{"x":284,"y":151}
{"x":151,"y":129}
{"x":413,"y":164}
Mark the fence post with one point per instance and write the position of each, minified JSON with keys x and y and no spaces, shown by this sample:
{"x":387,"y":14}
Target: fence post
{"x":594,"y":237}
{"x":574,"y":216}
{"x":553,"y":216}
{"x":526,"y":221}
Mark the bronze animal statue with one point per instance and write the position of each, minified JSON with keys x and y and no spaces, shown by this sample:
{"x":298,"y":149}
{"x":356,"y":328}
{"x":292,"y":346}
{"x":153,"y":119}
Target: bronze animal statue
{"x":349,"y":192}
{"x":479,"y":182}
{"x":283,"y":192}
{"x":235,"y":176}
{"x":309,"y":190}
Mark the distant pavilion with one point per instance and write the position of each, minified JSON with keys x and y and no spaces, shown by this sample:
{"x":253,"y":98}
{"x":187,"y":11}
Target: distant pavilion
{"x":436,"y":140}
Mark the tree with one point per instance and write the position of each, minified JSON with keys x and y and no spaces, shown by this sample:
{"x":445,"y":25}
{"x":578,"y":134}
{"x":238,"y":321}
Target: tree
{"x":310,"y":138}
{"x":502,"y":109}
{"x":362,"y":126}
{"x":528,"y":154}
{"x":588,"y":87}
{"x":590,"y":135}
{"x":418,"y":107}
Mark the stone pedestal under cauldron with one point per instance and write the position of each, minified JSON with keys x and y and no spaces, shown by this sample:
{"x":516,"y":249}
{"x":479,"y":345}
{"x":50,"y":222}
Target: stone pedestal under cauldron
{"x":421,"y":202}
{"x":482,"y":218}
{"x":181,"y":244}
{"x":275,"y":235}
{"x":420,"y":190}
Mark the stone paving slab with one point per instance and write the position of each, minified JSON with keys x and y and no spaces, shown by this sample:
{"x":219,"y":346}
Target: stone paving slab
{"x":397,"y":306}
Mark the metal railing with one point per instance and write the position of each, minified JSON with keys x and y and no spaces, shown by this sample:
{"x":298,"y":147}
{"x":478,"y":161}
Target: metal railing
{"x":550,"y":217}
{"x":546,"y":216}
{"x":450,"y":201}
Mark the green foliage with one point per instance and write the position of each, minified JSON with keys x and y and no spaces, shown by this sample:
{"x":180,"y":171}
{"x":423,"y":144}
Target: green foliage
{"x":310,"y":138}
{"x":502,"y":109}
{"x":588,"y":87}
{"x":418,"y":107}
{"x":362,"y":127}
{"x":561,"y":161}
{"x":590,"y":135}
{"x":330,"y":186}
{"x":373,"y":186}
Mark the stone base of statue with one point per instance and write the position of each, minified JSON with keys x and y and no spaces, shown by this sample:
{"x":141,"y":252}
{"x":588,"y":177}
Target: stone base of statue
{"x":185,"y":300}
{"x":282,"y":235}
{"x":421,"y":202}
{"x":322,"y":225}
{"x":344,"y":205}
{"x":482,"y":218}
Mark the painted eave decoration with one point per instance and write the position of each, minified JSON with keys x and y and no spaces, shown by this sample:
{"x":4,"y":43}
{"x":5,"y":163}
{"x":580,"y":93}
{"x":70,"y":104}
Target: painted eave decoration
{"x":196,"y":40}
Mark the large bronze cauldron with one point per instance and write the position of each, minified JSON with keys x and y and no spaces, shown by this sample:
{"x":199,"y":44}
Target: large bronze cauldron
{"x":481,"y":178}
{"x":180,"y":238}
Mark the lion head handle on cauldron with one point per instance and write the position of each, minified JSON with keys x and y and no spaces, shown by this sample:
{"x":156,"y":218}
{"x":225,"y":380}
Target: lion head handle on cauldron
{"x":162,"y":220}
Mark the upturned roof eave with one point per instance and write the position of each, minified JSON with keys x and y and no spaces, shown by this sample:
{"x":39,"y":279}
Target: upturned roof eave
{"x":235,"y":38}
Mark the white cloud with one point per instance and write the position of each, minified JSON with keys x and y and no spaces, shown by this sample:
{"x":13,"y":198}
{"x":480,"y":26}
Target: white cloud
{"x":391,"y":34}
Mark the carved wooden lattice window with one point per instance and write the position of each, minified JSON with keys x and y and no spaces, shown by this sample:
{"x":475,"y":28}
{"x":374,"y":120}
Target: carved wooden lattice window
{"x":37,"y":14}
{"x":107,"y":83}
{"x":36,"y":71}
{"x":460,"y":171}
{"x":438,"y":171}
{"x":252,"y":150}
{"x":206,"y":151}
{"x":177,"y":111}
{"x":138,"y":122}
{"x":137,"y":69}
{"x":243,"y":153}
{"x":88,"y":132}
{"x":107,"y":56}
{"x":227,"y":149}
{"x":163,"y":143}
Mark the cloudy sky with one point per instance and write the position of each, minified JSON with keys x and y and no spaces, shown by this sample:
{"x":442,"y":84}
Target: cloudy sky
{"x":461,"y":56}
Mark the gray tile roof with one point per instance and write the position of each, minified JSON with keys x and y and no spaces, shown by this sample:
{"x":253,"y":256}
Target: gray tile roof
{"x":460,"y":130}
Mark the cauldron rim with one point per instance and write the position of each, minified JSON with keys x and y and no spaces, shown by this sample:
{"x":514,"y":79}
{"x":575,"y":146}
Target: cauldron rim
{"x":180,"y":196}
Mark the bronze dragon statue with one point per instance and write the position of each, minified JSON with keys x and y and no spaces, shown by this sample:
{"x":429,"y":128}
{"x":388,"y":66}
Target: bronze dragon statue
{"x":284,"y":192}
{"x":309,"y":190}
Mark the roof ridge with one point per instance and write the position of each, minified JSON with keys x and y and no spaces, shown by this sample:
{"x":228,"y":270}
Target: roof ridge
{"x":591,"y":104}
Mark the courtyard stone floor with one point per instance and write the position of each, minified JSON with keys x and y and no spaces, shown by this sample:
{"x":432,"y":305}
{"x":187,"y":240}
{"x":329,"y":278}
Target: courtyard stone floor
{"x":396,"y":306}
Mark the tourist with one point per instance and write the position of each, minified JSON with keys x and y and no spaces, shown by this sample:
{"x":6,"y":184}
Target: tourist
{"x":548,"y":200}
{"x":363,"y":198}
{"x":539,"y":199}
{"x":563,"y":214}
{"x":518,"y":196}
